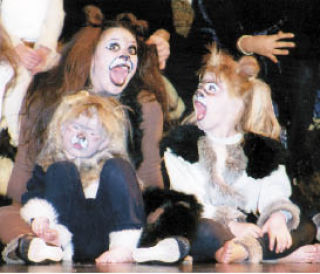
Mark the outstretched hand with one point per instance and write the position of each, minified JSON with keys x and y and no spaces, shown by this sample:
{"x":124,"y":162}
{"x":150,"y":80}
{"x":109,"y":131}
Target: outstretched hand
{"x":279,"y":236}
{"x":268,"y":45}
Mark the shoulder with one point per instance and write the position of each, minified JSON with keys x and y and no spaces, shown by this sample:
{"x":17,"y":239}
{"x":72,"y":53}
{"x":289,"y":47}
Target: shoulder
{"x":264,"y":155}
{"x":183,"y":141}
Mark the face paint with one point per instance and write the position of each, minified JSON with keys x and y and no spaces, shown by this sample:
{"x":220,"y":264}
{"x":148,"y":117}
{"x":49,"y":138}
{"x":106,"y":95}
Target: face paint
{"x":83,"y":137}
{"x":114,"y":62}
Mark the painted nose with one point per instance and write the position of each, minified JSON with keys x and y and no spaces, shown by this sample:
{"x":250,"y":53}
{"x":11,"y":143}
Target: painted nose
{"x":125,"y":57}
{"x":81,"y":136}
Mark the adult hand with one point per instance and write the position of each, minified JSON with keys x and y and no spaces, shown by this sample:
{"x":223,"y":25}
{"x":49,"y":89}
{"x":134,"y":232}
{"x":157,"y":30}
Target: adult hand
{"x":161,"y":40}
{"x":267,"y":45}
{"x":28,"y":56}
{"x":279,"y":236}
{"x":43,"y":53}
{"x":240,"y":229}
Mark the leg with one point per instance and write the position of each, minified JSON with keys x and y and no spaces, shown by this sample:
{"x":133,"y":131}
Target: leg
{"x":120,"y":202}
{"x":63,"y":189}
{"x":119,"y":194}
{"x":210,"y":237}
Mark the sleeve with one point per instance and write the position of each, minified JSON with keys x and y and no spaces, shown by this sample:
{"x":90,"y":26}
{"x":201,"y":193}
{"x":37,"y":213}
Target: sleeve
{"x":52,"y":26}
{"x":35,"y":186}
{"x":152,"y":126}
{"x":274,"y":197}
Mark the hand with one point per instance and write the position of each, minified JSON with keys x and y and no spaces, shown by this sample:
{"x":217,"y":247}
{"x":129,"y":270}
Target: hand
{"x":277,"y":230}
{"x":240,"y":229}
{"x":43,"y":52}
{"x":115,"y":255}
{"x":268,"y":45}
{"x":160,"y":39}
{"x":28,"y":56}
{"x":41,"y":228}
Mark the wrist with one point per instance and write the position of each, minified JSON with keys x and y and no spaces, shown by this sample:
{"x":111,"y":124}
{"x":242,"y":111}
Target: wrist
{"x":241,"y":44}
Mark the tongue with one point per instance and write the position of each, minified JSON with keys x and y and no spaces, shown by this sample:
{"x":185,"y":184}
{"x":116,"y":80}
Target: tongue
{"x":118,"y":75}
{"x":200,"y":110}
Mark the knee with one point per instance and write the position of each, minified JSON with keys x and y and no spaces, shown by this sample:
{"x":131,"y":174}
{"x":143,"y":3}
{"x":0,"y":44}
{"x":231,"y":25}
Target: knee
{"x":118,"y":174}
{"x":60,"y":175}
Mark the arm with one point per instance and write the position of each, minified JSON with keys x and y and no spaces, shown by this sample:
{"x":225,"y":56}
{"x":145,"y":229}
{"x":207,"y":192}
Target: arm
{"x":278,"y":215}
{"x":152,"y":127}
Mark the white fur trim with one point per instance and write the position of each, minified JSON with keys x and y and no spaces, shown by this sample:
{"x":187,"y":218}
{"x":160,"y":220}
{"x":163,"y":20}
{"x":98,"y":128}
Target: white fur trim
{"x":128,"y":238}
{"x":91,"y":190}
{"x":6,"y":167}
{"x":68,"y":252}
{"x":65,"y":235}
{"x":280,"y":205}
{"x":316,"y":221}
{"x":38,"y":208}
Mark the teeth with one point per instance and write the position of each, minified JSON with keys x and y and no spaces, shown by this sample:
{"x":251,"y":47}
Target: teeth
{"x":201,"y":100}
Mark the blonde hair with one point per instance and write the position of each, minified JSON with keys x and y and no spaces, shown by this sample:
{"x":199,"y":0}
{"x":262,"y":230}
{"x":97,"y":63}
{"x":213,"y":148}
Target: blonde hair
{"x":113,"y":119}
{"x":7,"y":52}
{"x":241,"y":78}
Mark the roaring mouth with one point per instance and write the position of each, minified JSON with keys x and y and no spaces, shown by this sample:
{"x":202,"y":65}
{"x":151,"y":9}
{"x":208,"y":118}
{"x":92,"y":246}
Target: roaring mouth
{"x":119,"y":71}
{"x":200,"y":108}
{"x":79,"y":142}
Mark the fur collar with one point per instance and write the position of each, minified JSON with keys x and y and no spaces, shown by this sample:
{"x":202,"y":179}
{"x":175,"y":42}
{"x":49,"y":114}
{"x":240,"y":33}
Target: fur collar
{"x":263,"y":154}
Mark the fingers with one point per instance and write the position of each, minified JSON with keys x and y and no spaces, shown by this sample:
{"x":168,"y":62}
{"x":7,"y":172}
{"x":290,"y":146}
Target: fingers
{"x":163,"y":48}
{"x":285,"y":35}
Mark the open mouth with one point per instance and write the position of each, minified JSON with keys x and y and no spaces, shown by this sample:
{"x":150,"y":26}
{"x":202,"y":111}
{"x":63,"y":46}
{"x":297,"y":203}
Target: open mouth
{"x":119,"y":71}
{"x":201,"y":109}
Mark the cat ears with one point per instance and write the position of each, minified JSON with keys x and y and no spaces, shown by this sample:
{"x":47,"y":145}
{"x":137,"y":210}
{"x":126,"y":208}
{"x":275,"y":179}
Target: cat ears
{"x":220,"y":60}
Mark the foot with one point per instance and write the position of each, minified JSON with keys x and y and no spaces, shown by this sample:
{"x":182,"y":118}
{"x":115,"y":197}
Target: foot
{"x":39,"y":251}
{"x":231,"y":252}
{"x":304,"y":254}
{"x":31,"y":249}
{"x":169,"y":250}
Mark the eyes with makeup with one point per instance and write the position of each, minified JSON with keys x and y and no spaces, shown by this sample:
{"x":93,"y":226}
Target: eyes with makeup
{"x":116,"y":46}
{"x":210,"y":88}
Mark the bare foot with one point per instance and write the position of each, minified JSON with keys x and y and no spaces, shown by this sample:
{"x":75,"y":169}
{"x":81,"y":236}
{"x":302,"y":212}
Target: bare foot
{"x":116,"y":255}
{"x":304,"y":254}
{"x":231,"y":252}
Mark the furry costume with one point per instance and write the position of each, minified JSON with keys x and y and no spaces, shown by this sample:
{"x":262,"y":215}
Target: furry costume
{"x":237,"y":175}
{"x":54,"y":190}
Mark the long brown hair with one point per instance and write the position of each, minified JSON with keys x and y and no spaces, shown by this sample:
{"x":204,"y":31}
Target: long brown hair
{"x":73,"y":71}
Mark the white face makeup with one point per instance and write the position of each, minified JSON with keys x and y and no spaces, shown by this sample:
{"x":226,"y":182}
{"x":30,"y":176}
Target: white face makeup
{"x":215,"y":108}
{"x":83,"y":137}
{"x":114,"y":62}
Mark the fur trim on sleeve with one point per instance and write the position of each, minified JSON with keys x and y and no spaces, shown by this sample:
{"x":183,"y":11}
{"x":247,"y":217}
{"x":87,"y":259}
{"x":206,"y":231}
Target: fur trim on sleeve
{"x":6,"y":167}
{"x":38,"y":208}
{"x":183,"y":141}
{"x":283,"y":204}
{"x":226,"y":214}
{"x":264,"y":155}
{"x":65,"y":237}
{"x":253,"y":248}
{"x":127,"y":238}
